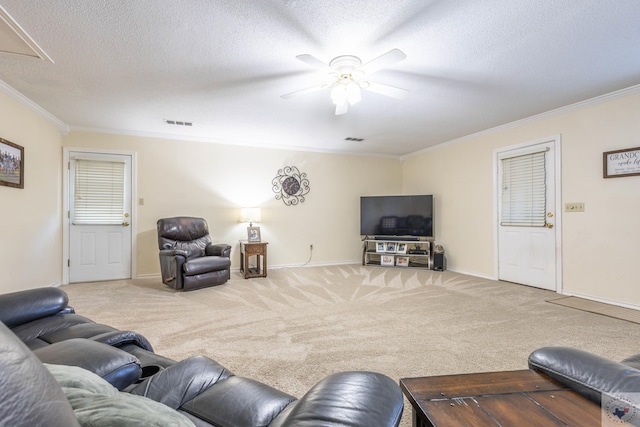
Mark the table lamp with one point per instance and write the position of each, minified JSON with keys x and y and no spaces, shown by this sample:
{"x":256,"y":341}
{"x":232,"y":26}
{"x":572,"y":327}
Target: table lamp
{"x":251,"y":215}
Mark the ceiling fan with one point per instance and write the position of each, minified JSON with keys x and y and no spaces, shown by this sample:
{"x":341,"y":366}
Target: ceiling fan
{"x":347,"y":76}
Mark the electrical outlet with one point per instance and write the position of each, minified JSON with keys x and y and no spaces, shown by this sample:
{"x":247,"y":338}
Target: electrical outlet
{"x":574,"y":207}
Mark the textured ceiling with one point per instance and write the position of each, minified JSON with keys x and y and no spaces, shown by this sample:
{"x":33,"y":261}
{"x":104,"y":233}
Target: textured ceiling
{"x":126,"y":66}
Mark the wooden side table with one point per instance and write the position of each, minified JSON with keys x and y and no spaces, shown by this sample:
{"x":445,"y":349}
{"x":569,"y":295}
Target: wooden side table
{"x":257,"y":249}
{"x":491,"y":399}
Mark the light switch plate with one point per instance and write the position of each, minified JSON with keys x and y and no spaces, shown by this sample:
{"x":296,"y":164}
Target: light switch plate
{"x":574,"y":207}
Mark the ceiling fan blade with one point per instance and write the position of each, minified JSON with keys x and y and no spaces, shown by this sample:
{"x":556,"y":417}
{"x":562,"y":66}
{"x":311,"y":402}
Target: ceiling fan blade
{"x":386,"y":90}
{"x":304,"y":91}
{"x":315,"y":62}
{"x":384,"y":60}
{"x":342,"y":108}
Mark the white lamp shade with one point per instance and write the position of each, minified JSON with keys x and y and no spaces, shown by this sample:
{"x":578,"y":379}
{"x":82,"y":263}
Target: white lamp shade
{"x":353,"y":93}
{"x":339,"y":94}
{"x":346,"y":92}
{"x":250,"y":215}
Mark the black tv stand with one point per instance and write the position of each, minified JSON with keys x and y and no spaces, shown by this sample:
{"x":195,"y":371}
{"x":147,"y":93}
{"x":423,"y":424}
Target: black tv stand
{"x":398,"y":238}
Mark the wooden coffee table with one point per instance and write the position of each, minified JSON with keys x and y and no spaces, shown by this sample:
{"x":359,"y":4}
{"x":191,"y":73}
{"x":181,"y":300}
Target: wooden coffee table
{"x":512,"y":398}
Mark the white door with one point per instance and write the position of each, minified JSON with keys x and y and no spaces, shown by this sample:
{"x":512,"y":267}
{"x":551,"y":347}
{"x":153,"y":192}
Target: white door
{"x":526,"y":215}
{"x":99,"y":216}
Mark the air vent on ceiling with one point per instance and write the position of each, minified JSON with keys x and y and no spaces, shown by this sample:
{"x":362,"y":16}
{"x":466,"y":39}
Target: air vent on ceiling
{"x":178,"y":122}
{"x":353,"y":139}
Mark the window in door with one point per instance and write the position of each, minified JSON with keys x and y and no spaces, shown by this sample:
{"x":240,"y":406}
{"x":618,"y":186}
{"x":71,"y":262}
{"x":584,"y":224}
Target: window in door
{"x":99,"y":192}
{"x":524,"y":191}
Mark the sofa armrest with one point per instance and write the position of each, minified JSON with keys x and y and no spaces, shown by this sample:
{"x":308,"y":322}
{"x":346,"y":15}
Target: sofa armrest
{"x":182,"y":381}
{"x":221,"y":249}
{"x":122,"y":338}
{"x":171,"y":262}
{"x":348,"y":398}
{"x":116,"y":366}
{"x":586,"y":373}
{"x":239,"y":401}
{"x":21,"y":307}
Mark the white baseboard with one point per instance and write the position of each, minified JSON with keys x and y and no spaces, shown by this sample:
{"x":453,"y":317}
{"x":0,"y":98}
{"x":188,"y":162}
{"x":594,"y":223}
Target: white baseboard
{"x":474,"y":274}
{"x":148,"y":276}
{"x":327,"y":264}
{"x":270,"y":267}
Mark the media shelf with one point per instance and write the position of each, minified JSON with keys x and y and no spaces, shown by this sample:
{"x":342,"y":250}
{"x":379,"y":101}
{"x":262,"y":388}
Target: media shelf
{"x":397,"y":253}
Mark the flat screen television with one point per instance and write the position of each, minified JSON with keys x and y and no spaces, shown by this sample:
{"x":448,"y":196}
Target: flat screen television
{"x":400,"y":216}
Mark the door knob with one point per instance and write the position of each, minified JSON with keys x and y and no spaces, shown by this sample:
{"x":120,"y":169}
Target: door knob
{"x":549,"y":225}
{"x":126,"y":224}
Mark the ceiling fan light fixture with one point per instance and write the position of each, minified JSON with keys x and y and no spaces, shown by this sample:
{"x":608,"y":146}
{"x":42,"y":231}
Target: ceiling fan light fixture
{"x":348,"y":77}
{"x":353,"y":93}
{"x":339,"y":94}
{"x":346,"y":91}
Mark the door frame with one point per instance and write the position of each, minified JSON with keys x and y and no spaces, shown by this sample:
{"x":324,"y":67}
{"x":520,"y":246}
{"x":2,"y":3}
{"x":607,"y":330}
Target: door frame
{"x":555,"y":141}
{"x":66,"y":208}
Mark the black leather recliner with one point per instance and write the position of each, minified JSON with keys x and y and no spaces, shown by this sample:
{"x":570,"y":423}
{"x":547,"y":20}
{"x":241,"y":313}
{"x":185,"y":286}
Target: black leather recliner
{"x":188,"y":258}
{"x":44,"y":329}
{"x":595,"y":377}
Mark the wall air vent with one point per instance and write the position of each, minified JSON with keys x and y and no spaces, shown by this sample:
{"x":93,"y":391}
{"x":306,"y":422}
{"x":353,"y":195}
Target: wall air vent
{"x":178,"y":122}
{"x":353,"y":139}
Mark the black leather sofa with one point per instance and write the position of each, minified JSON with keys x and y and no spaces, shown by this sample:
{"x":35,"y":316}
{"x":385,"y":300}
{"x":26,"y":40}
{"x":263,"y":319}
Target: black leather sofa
{"x":45,"y":346}
{"x":597,"y":378}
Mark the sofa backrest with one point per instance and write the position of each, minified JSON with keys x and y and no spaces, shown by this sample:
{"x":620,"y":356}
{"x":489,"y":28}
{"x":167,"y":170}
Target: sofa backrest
{"x":17,"y":308}
{"x":29,"y":394}
{"x":185,"y":233}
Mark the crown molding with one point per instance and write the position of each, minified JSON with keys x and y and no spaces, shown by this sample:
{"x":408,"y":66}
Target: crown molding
{"x":23,"y":46}
{"x":551,"y":113}
{"x":236,"y":143}
{"x":10,"y":91}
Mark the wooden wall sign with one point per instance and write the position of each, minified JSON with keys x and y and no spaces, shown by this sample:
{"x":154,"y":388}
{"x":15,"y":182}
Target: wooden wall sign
{"x":621,"y":163}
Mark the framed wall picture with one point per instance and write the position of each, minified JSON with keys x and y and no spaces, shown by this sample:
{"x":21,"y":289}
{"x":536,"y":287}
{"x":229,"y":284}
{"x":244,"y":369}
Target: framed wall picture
{"x":386,"y":260}
{"x":621,"y":163}
{"x":402,"y":248}
{"x":402,"y":261}
{"x":390,"y":247}
{"x":253,"y":234}
{"x":11,"y":164}
{"x":380,"y":247}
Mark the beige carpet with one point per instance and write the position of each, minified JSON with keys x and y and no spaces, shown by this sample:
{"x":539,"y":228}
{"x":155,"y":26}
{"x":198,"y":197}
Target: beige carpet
{"x":298,"y":325}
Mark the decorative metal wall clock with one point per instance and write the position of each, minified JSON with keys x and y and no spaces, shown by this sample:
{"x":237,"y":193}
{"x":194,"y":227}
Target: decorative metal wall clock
{"x":290,"y":185}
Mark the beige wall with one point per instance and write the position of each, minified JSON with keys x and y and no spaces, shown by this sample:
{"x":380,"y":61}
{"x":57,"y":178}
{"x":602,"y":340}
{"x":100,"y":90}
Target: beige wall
{"x":600,"y":246}
{"x":214,"y":180}
{"x":31,"y":249}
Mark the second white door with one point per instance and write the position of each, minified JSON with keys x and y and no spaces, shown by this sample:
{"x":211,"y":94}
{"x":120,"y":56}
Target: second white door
{"x":526,"y":224}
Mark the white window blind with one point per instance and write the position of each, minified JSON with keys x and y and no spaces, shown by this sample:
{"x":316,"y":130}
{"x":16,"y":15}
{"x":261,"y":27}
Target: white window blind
{"x":524,"y":191}
{"x":98,"y":192}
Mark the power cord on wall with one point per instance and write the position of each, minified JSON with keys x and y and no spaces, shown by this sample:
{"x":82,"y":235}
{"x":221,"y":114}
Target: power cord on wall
{"x":310,"y":255}
{"x":301,"y":265}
